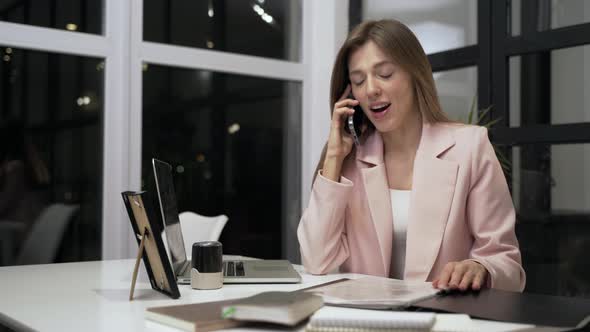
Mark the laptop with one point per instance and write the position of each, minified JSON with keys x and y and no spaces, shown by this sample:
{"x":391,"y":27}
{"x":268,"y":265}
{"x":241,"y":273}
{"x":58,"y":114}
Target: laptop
{"x":234,"y":271}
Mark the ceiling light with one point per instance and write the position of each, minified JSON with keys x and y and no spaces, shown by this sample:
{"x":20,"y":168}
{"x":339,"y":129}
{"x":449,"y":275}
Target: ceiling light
{"x":258,"y":9}
{"x":234,"y":128}
{"x":267,"y":18}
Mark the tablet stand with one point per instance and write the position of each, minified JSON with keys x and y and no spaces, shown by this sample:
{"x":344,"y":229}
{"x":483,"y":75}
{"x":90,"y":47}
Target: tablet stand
{"x":137,"y":261}
{"x":146,"y":230}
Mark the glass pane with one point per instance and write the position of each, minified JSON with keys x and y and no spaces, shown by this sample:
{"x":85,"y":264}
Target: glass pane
{"x":51,"y":127}
{"x":514,"y":19}
{"x":457,"y":91}
{"x":234,"y":145}
{"x":569,"y":12}
{"x":439,"y":25}
{"x":73,"y":15}
{"x":267,"y":28}
{"x":544,"y":15}
{"x":550,"y":87}
{"x":551,"y":191}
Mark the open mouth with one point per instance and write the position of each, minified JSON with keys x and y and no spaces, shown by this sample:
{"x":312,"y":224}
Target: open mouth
{"x":379,"y":108}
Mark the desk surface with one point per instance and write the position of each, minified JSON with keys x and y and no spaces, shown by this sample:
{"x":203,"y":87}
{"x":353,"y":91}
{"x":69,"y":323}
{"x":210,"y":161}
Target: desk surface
{"x":93,"y":296}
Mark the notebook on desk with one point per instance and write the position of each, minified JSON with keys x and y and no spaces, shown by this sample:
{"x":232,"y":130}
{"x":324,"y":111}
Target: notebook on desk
{"x":234,"y":271}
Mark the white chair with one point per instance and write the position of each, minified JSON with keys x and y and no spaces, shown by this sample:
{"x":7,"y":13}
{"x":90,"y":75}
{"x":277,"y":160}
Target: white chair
{"x":46,"y":234}
{"x":197,"y":228}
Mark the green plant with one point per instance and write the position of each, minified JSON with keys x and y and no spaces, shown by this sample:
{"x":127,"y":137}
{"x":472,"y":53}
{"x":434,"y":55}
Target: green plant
{"x":477,"y":117}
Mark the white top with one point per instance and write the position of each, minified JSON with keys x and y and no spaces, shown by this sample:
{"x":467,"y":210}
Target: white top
{"x":400,"y":205}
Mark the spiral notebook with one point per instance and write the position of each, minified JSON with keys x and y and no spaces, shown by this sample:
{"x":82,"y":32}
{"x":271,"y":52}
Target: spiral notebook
{"x":334,"y":319}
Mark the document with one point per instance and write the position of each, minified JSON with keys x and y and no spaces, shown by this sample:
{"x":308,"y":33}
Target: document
{"x":375,"y":293}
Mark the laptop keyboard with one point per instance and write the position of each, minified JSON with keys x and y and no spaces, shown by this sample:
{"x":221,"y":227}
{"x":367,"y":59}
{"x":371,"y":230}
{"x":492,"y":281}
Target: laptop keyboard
{"x":233,"y":269}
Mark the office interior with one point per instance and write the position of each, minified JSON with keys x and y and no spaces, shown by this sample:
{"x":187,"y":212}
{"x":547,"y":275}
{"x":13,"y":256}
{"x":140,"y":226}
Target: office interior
{"x":234,"y":94}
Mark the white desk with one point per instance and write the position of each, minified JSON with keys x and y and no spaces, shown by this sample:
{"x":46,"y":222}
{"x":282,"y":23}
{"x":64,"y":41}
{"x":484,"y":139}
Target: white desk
{"x":93,"y":296}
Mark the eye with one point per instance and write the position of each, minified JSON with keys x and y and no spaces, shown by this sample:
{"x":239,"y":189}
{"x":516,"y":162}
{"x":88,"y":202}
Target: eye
{"x":386,"y":75}
{"x":358,"y":82}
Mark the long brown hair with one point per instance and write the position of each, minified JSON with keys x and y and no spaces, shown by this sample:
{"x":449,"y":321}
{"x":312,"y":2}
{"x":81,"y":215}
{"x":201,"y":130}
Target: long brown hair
{"x":400,"y":44}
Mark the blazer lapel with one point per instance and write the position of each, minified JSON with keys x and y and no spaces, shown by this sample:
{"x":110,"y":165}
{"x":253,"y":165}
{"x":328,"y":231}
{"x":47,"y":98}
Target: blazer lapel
{"x":375,"y":181}
{"x":433,"y":188}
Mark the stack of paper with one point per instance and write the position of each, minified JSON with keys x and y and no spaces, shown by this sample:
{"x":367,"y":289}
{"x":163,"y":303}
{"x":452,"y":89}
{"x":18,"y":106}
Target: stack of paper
{"x":376,"y":293}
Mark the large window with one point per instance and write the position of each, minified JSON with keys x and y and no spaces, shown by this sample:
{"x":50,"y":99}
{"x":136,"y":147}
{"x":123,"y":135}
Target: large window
{"x":221,"y":101}
{"x":72,"y":15}
{"x":530,"y":61}
{"x":262,"y":28}
{"x":51,"y":159}
{"x":97,"y":88}
{"x":233,"y":142}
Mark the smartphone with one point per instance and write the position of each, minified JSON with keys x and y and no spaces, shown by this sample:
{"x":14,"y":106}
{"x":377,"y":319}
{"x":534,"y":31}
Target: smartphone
{"x":354,"y":122}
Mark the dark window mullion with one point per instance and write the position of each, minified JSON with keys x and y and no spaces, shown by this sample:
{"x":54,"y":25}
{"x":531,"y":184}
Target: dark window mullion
{"x":355,"y":12}
{"x":537,"y":41}
{"x":539,"y":134}
{"x":499,"y":61}
{"x":484,"y":69}
{"x":453,"y":59}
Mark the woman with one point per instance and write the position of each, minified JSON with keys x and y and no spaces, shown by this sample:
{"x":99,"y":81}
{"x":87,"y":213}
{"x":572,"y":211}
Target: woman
{"x":421,"y":197}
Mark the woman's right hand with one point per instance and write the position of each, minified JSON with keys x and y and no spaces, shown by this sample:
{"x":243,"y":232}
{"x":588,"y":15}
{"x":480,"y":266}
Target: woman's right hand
{"x":339,"y":142}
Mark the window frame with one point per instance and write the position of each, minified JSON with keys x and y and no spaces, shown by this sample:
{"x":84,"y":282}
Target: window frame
{"x":323,"y":28}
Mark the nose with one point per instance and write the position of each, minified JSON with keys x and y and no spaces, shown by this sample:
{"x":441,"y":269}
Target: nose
{"x":373,"y":89}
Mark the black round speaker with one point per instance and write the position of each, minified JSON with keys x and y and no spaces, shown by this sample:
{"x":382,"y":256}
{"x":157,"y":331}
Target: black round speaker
{"x":207,"y":256}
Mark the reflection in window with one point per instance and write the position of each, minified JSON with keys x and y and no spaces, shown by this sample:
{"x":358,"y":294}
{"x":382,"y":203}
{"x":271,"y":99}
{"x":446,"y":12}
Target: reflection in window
{"x":550,"y":187}
{"x":268,"y":28}
{"x":457,"y":91}
{"x":439,"y":25}
{"x":544,"y":15}
{"x":51,"y":123}
{"x":72,"y":15}
{"x":550,"y":87}
{"x":233,"y":142}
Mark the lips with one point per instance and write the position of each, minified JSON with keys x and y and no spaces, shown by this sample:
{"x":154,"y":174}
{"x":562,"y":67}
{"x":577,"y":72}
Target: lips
{"x":378,"y":108}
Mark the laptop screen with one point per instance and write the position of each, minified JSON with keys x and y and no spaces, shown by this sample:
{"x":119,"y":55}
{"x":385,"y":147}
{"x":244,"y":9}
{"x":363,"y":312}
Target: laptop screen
{"x":169,"y":210}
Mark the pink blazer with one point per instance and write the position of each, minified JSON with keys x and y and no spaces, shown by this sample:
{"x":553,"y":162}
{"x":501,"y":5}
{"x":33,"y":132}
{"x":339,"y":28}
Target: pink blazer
{"x":460,"y":208}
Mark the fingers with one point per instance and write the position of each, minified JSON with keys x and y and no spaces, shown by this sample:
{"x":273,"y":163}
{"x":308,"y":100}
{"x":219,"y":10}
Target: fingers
{"x":435,"y":284}
{"x":467,"y":280}
{"x":445,"y":276}
{"x":461,"y":275}
{"x":479,"y":279}
{"x":342,"y":109}
{"x":345,"y":100}
{"x":457,"y":275}
{"x":346,"y":92}
{"x":346,"y":103}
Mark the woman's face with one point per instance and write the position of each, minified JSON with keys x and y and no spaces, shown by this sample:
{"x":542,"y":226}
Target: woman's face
{"x":383,"y":89}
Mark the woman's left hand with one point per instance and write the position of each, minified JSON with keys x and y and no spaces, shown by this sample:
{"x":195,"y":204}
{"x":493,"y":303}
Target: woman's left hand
{"x":462,"y":275}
